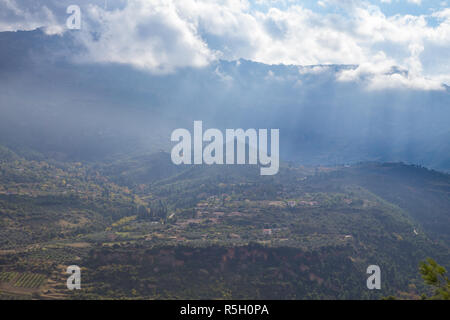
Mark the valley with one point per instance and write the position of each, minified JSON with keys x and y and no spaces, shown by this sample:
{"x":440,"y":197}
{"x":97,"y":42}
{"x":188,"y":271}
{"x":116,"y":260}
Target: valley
{"x":153,"y":230}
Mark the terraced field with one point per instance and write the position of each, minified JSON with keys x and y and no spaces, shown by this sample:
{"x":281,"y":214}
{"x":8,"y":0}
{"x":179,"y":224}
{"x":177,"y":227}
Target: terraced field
{"x":22,"y":280}
{"x":8,"y":276}
{"x":29,"y":280}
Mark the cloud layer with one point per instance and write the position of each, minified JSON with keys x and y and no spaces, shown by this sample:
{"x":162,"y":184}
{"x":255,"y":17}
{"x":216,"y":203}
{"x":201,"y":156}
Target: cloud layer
{"x":162,"y":36}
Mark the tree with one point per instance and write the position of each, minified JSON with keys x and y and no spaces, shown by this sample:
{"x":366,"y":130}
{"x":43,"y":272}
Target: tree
{"x":158,"y":210}
{"x":435,"y":276}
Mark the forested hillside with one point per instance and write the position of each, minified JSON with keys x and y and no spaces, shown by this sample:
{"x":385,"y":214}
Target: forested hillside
{"x":141,"y":227}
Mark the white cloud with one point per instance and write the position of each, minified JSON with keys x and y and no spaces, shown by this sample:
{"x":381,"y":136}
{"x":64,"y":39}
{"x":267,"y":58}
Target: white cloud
{"x":418,"y":2}
{"x":382,"y":75}
{"x":17,"y":15}
{"x":148,"y":35}
{"x":163,"y":35}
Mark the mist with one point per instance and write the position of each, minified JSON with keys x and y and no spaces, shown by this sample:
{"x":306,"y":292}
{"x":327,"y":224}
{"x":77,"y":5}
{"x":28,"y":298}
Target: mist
{"x":81,"y":111}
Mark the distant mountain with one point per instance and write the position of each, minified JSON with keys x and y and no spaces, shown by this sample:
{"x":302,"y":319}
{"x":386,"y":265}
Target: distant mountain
{"x":97,"y":111}
{"x":144,"y":169}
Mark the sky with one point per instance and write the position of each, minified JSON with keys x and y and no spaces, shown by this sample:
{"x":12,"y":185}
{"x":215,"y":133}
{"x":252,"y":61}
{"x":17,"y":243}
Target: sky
{"x":161,"y":36}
